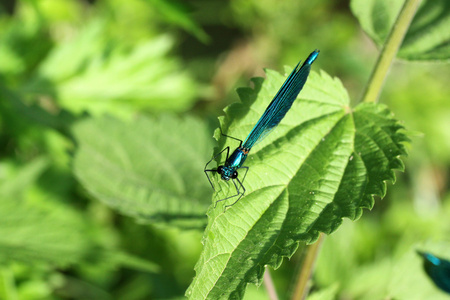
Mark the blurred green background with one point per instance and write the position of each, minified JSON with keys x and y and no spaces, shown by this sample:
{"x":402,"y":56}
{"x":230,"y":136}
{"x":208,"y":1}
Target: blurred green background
{"x":64,"y":61}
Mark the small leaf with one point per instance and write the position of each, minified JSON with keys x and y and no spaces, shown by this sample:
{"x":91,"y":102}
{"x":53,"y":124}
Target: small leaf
{"x":12,"y":186}
{"x":176,"y":13}
{"x":408,"y":279}
{"x":73,"y":54}
{"x":428,"y":37}
{"x":84,"y":74}
{"x":32,"y":233}
{"x":120,"y":258}
{"x":324,"y":162}
{"x":150,"y":169}
{"x":328,"y":293}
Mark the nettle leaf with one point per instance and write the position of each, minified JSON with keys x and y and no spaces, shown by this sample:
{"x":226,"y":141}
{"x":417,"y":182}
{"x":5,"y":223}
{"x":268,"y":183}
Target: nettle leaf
{"x":93,"y":73}
{"x":33,"y":232}
{"x":150,"y":169}
{"x":324,"y":162}
{"x":428,"y":37}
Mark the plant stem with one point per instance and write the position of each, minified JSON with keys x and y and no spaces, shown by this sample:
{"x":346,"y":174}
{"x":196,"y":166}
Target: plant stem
{"x":270,"y":287}
{"x":301,"y":286}
{"x":389,"y":50}
{"x":9,"y":285}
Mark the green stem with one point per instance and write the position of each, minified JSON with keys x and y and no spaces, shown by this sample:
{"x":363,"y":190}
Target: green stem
{"x":7,"y":284}
{"x":302,"y":284}
{"x":389,"y":50}
{"x":270,"y":287}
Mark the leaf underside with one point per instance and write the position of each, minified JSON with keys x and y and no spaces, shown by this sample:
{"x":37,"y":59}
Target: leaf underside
{"x":325,"y":161}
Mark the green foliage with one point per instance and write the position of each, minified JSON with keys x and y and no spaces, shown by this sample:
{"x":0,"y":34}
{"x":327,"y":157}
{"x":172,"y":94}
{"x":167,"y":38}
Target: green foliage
{"x":105,"y":129}
{"x":326,"y":294}
{"x":176,"y":13}
{"x":17,"y":36}
{"x":102,"y":77}
{"x":357,"y":257}
{"x":424,"y":109}
{"x":140,"y":169}
{"x":323,"y":163}
{"x":428,"y":36}
{"x":32,"y":233}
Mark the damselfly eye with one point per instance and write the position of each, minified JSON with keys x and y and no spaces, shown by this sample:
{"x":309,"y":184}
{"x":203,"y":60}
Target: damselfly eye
{"x":219,"y":169}
{"x":235,"y":175}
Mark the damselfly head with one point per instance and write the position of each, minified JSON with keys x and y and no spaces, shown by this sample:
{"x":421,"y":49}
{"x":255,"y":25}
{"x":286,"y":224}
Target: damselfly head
{"x":223,"y":173}
{"x":227,"y":173}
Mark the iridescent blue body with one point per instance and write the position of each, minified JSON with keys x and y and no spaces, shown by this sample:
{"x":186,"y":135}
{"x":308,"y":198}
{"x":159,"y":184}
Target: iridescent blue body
{"x":438,"y":269}
{"x":271,"y":117}
{"x":234,"y":162}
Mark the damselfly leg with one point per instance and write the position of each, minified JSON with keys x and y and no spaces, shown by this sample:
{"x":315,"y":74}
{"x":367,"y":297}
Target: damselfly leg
{"x":214,"y":170}
{"x":228,"y":154}
{"x":238,"y":192}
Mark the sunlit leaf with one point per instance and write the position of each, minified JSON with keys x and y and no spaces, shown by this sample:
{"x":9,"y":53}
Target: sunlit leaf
{"x":324,"y":162}
{"x":95,"y":74}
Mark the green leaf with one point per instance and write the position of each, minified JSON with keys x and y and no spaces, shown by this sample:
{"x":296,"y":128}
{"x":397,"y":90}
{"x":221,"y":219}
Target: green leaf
{"x":177,"y":13}
{"x":14,"y":185}
{"x":408,"y":279}
{"x":324,"y":162}
{"x":328,"y":293}
{"x":150,"y":169}
{"x":428,"y":37}
{"x":19,"y":113}
{"x":20,"y":32}
{"x":88,"y":44}
{"x":398,"y":277}
{"x":11,"y":62}
{"x":32,"y":233}
{"x":92,"y":73}
{"x":119,"y":258}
